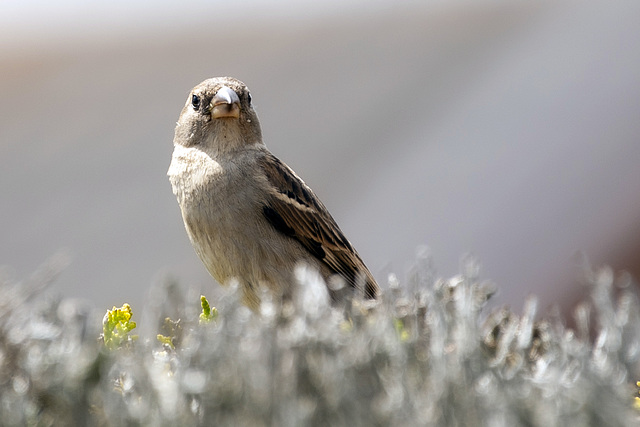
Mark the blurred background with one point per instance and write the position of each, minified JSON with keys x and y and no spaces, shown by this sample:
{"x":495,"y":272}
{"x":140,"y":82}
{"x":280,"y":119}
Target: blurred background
{"x":502,"y":128}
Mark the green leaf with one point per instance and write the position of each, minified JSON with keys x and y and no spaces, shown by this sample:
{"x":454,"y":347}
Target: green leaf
{"x":116,"y":326}
{"x":208,"y":313}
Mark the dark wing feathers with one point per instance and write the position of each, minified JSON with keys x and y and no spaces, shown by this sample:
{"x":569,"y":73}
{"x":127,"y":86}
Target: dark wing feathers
{"x":294,"y":211}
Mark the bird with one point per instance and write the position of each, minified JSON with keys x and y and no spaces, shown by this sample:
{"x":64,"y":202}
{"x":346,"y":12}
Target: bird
{"x":248,"y":215}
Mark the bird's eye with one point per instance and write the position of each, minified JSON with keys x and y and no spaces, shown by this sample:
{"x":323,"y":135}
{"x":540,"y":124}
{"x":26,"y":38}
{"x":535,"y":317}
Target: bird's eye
{"x":249,"y":97}
{"x":195,"y":102}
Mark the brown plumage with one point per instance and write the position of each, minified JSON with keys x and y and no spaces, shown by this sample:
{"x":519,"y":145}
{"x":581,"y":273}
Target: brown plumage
{"x":295,"y":211}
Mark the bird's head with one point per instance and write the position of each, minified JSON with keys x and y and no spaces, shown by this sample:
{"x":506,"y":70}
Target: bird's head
{"x":219,"y":116}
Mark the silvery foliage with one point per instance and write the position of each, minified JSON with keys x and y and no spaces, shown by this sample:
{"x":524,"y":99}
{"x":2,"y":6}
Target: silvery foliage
{"x":427,"y":353}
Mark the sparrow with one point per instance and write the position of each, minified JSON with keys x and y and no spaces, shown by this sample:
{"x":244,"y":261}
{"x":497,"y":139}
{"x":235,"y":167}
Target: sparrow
{"x":248,"y":215}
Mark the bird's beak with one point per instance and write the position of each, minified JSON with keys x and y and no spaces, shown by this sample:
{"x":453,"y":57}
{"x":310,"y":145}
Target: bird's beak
{"x":225,"y":104}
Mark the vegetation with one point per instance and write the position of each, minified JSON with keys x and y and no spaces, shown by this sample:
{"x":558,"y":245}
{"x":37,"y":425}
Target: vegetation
{"x":427,"y":353}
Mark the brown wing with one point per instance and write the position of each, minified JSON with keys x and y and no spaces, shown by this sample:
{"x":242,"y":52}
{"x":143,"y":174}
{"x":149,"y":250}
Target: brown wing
{"x":295,"y":211}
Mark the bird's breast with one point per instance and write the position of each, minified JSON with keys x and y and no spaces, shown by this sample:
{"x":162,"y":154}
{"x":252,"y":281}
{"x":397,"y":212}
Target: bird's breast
{"x":220,"y":208}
